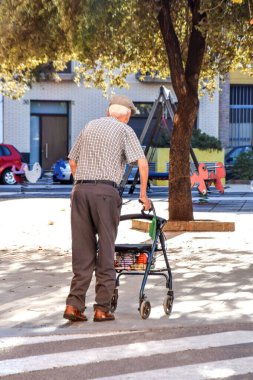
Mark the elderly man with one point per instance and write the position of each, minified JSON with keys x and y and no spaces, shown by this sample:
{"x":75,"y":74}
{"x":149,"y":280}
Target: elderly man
{"x":97,"y":162}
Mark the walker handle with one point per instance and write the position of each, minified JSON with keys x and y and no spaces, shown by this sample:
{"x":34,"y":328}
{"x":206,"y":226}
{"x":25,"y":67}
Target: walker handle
{"x":152,"y":208}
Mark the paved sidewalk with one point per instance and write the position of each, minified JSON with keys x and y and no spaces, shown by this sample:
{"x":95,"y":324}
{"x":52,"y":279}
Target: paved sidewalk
{"x":212,"y":272}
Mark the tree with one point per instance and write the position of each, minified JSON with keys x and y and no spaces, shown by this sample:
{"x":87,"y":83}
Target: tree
{"x":191,"y":40}
{"x":243,"y":166}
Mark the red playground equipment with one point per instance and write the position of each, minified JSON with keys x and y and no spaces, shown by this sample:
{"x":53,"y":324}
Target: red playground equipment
{"x":208,"y":175}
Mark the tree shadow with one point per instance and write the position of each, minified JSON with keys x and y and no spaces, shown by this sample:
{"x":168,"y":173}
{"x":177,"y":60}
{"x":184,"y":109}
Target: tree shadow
{"x":211,"y":286}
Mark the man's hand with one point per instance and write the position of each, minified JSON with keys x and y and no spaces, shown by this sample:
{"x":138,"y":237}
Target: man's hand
{"x":146,"y":202}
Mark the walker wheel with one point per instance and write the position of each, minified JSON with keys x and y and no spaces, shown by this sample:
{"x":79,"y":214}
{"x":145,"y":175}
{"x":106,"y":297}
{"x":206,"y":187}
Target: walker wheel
{"x":145,"y":309}
{"x":168,"y":303}
{"x":114,"y":300}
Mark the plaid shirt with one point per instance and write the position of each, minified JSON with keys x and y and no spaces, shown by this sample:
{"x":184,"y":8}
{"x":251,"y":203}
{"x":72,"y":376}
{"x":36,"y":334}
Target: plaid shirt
{"x":103,"y":148}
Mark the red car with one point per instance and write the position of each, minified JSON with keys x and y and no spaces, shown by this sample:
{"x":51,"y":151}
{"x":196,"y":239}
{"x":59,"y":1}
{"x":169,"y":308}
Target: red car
{"x":9,"y":158}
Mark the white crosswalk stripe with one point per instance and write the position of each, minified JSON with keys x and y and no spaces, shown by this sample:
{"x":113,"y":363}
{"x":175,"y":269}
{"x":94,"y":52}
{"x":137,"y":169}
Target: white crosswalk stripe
{"x":8,"y":342}
{"x":135,"y":350}
{"x":214,"y":370}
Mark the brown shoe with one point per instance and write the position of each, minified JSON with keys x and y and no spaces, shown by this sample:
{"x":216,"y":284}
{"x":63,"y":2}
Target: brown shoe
{"x":102,"y":316}
{"x":74,"y":314}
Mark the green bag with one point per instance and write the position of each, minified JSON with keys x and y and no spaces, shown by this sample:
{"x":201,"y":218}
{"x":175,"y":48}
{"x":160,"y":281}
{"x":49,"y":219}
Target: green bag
{"x":152,"y":228}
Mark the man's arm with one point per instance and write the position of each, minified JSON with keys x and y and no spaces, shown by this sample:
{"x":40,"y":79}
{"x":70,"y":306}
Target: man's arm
{"x":73,"y":166}
{"x":143,"y":169}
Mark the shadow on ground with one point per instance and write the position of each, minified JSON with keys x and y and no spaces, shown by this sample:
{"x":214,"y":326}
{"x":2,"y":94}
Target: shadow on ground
{"x":211,"y":286}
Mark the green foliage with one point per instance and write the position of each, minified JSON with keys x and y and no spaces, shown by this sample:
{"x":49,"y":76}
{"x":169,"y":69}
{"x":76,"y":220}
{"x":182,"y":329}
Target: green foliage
{"x":163,"y":140}
{"x":112,"y":38}
{"x":204,"y":141}
{"x":243,"y":167}
{"x":199,"y":140}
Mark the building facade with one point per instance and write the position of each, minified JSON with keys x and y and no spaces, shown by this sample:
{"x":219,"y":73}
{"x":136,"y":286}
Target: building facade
{"x":44,"y":124}
{"x":236,"y":110}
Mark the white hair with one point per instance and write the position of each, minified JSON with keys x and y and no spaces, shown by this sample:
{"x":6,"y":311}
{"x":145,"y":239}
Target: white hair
{"x":119,"y":111}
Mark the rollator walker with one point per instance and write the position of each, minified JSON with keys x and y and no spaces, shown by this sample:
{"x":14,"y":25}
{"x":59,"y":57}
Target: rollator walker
{"x":143,"y":260}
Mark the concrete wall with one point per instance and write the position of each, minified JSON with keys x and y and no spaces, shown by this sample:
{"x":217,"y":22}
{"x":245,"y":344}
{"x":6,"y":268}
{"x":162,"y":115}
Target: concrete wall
{"x":224,"y":104}
{"x":17,"y":124}
{"x":208,"y":118}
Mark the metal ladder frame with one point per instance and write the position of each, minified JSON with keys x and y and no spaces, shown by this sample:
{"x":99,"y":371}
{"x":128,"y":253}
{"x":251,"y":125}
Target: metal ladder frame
{"x":167,"y":102}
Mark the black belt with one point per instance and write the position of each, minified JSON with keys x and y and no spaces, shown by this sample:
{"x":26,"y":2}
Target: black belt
{"x":95,"y":181}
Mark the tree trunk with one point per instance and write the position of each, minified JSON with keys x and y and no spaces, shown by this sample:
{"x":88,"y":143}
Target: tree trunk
{"x":180,"y":200}
{"x":185,"y":78}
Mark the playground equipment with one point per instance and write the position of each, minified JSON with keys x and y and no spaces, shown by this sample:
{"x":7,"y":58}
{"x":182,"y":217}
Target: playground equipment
{"x":201,"y":175}
{"x":207,"y":176}
{"x":31,"y":176}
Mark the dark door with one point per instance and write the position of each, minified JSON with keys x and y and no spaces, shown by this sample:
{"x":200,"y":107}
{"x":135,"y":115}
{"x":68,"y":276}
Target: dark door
{"x":54,"y":140}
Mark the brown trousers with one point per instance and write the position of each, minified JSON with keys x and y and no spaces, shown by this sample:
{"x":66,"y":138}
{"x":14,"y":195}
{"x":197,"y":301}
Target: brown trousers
{"x":95,"y":213}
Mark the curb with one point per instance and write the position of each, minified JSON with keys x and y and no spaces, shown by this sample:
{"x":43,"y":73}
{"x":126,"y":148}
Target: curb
{"x":188,"y":226}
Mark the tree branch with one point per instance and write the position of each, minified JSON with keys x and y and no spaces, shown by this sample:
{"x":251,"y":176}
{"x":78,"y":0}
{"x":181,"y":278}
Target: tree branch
{"x":196,"y":50}
{"x":191,"y":4}
{"x":172,"y":48}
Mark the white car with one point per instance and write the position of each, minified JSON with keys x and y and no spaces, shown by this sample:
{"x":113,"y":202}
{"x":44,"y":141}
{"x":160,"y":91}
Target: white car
{"x":62,"y":172}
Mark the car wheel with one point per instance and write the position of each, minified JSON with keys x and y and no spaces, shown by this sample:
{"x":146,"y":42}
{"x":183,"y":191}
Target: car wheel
{"x":8,"y":177}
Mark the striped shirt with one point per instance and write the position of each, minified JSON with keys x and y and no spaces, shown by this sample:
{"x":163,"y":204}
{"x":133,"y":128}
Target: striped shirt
{"x":103,"y":148}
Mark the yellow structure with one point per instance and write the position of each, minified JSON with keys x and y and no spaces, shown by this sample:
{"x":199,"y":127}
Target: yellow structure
{"x":237,"y":77}
{"x":162,"y":159}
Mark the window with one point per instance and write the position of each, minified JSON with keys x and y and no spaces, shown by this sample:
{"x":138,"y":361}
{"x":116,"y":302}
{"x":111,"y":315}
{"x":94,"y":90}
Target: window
{"x":4,"y":151}
{"x":241,"y":115}
{"x":49,"y":108}
{"x":241,"y":95}
{"x":68,"y":68}
{"x":143,"y":108}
